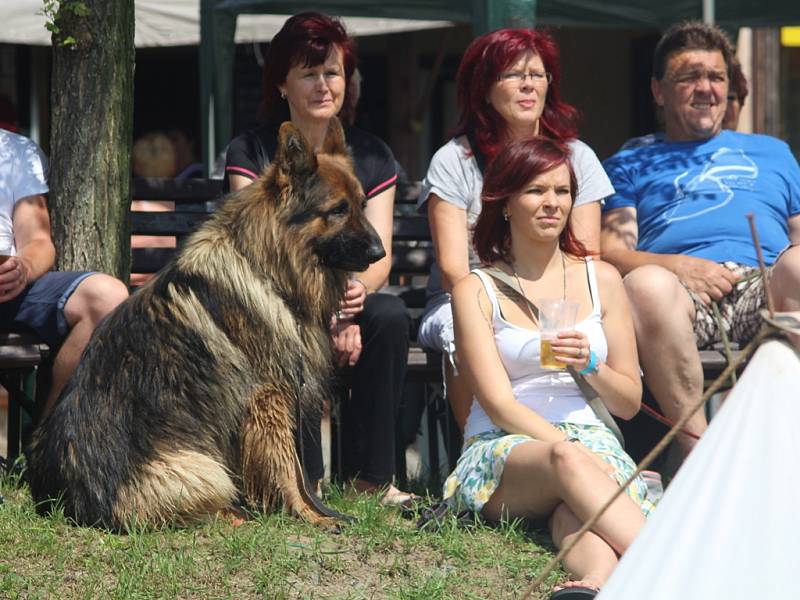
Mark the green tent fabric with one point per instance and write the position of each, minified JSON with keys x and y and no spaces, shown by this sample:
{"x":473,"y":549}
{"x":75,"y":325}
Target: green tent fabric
{"x":218,"y":24}
{"x":579,"y":13}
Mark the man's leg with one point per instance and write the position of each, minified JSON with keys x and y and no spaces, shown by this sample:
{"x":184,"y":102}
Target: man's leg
{"x":785,"y":284}
{"x":663,"y":315}
{"x":92,"y":300}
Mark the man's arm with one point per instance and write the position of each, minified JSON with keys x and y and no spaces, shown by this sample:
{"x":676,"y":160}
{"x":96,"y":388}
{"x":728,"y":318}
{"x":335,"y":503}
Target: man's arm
{"x":618,"y":239}
{"x":794,"y":229}
{"x":35,"y":251}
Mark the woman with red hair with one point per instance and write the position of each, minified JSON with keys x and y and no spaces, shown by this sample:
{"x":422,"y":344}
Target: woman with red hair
{"x":507,"y":89}
{"x":308,"y":79}
{"x":534,"y":447}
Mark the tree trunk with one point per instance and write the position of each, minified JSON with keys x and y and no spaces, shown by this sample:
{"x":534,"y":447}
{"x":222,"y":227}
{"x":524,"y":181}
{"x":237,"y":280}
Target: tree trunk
{"x":92,"y":122}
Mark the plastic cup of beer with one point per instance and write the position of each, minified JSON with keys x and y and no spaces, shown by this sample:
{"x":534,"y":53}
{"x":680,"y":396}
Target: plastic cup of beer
{"x":6,"y":246}
{"x":555,"y":316}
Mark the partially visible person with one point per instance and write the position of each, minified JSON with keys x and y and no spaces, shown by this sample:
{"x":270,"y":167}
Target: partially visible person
{"x":8,"y":114}
{"x":507,"y":89}
{"x":308,"y":79}
{"x":737,"y":92}
{"x":62,"y":308}
{"x":534,"y":447}
{"x":676,"y":227}
{"x":186,"y":164}
{"x":153,"y":155}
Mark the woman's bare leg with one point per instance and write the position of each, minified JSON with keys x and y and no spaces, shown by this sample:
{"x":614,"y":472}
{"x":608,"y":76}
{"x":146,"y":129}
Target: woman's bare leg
{"x":591,"y":560}
{"x":458,"y":395}
{"x":539,"y":476}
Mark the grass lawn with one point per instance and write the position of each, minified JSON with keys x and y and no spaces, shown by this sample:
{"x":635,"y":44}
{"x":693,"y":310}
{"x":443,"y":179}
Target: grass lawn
{"x":379,"y":555}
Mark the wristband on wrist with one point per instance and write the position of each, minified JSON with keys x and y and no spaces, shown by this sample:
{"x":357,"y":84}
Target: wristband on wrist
{"x":593,"y":367}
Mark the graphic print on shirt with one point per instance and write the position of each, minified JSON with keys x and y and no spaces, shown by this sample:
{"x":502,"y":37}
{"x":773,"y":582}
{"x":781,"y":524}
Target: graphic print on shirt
{"x":712,"y":188}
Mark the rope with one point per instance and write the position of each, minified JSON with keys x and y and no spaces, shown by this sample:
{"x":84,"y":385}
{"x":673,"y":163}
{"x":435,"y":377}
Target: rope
{"x":718,"y":383}
{"x":651,"y":412}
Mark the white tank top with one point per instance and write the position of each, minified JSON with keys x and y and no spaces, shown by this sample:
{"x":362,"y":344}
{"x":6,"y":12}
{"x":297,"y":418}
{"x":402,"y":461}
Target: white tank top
{"x":551,"y":394}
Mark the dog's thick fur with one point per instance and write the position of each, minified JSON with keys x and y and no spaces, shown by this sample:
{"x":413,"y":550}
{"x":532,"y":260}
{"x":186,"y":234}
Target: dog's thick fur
{"x":185,"y":398}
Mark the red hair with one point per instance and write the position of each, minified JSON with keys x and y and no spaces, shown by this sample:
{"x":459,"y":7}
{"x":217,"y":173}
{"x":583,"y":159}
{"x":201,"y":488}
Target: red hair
{"x":487,"y":57}
{"x":306,"y":39}
{"x":512,"y":170}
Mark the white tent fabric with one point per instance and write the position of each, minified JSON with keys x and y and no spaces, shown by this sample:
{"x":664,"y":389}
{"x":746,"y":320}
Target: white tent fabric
{"x":728,"y":526}
{"x":177,"y":23}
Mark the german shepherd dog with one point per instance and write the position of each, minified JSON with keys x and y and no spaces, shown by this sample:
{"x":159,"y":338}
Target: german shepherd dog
{"x":184,"y":402}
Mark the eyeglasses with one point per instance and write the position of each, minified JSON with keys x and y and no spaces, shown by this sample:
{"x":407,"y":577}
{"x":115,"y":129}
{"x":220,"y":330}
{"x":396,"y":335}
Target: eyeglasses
{"x":518,"y":77}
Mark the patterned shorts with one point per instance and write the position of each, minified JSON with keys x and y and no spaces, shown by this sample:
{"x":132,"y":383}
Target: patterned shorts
{"x":480,"y":467}
{"x":738,"y":310}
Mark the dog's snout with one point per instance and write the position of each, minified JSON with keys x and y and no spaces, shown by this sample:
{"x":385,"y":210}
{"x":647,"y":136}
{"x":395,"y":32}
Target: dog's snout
{"x":376,"y":251}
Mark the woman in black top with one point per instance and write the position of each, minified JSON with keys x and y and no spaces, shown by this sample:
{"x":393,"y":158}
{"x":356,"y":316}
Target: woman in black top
{"x":307,"y":78}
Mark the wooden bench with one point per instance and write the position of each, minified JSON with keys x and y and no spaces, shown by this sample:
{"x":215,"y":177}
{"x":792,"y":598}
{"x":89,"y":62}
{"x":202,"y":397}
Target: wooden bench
{"x":194,"y":200}
{"x":24,"y":375}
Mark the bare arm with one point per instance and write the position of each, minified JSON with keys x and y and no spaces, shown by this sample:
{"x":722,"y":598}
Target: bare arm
{"x":35,"y":251}
{"x":585,"y":224}
{"x":480,"y":363}
{"x":619,"y":236}
{"x":238,"y":182}
{"x":379,"y":213}
{"x":617,"y":381}
{"x":450,"y":239}
{"x":794,"y":229}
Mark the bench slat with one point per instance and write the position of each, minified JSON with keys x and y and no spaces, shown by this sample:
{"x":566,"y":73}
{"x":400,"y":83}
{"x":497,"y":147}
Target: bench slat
{"x":407,"y":228}
{"x":412,"y":260}
{"x":161,"y":188}
{"x":166,"y":223}
{"x":150,"y":260}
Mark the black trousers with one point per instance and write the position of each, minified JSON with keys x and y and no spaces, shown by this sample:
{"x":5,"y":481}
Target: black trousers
{"x":369,"y":414}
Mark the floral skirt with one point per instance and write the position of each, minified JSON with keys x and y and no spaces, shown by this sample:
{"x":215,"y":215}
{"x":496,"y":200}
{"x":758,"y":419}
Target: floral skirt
{"x":480,"y":467}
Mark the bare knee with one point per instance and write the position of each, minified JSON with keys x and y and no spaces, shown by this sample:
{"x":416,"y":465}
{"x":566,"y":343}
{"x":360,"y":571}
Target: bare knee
{"x":94,"y":298}
{"x":657,"y":297}
{"x":568,"y":461}
{"x":785,"y":280}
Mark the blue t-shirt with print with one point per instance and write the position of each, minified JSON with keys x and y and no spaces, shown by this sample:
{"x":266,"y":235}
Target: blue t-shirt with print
{"x":693,"y":197}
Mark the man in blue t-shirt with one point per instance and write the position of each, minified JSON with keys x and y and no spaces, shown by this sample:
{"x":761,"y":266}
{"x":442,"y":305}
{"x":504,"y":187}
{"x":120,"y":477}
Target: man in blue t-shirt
{"x":677,"y":228}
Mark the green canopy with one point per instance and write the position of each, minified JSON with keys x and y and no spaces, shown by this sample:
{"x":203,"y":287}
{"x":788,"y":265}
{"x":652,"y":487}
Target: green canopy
{"x":218,"y":24}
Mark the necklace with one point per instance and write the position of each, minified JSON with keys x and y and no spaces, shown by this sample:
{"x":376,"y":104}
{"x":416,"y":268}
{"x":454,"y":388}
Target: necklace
{"x":522,"y":289}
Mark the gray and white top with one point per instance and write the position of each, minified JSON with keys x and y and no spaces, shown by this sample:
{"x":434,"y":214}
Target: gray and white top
{"x":454,"y":176}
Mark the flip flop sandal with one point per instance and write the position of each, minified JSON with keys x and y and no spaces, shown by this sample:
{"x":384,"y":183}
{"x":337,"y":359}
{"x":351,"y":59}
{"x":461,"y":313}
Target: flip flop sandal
{"x":407,"y":503}
{"x":401,"y":499}
{"x":785,"y":321}
{"x":574,"y":593}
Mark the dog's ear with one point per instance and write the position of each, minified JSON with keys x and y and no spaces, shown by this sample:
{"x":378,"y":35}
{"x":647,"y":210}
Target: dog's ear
{"x":294,"y":155}
{"x":334,"y":139}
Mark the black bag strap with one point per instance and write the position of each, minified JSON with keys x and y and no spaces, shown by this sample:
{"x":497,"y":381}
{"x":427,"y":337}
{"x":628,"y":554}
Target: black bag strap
{"x":591,"y":395}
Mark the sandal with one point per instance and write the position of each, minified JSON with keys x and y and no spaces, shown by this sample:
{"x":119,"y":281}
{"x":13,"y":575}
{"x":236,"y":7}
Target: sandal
{"x":574,"y":593}
{"x":407,"y":502}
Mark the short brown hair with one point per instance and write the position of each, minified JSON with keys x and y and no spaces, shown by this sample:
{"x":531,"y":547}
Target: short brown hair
{"x":691,"y":35}
{"x":738,"y":82}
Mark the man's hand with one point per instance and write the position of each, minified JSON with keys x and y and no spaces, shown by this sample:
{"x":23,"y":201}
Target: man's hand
{"x":709,"y":280}
{"x":14,"y":275}
{"x":346,"y":342}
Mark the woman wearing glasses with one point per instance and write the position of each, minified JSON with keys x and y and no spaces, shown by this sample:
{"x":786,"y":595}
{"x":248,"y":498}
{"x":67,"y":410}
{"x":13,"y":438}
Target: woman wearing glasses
{"x":507,"y":89}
